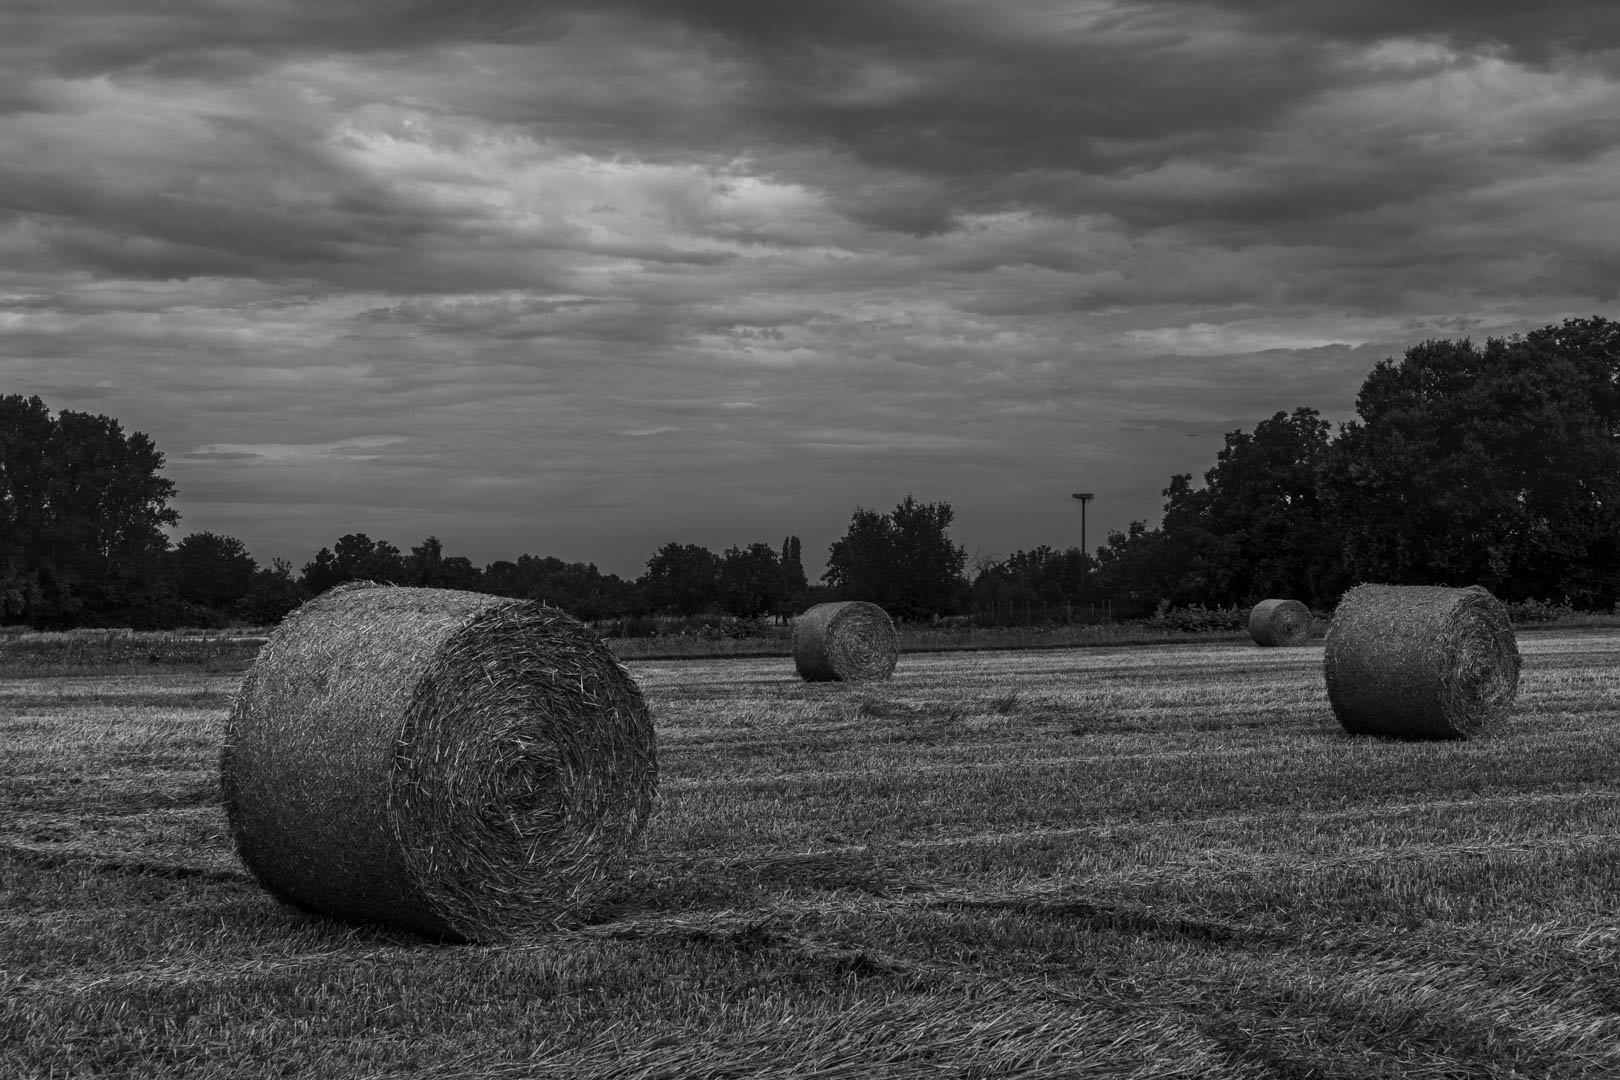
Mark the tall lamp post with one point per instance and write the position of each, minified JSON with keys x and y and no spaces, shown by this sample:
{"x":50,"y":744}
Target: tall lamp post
{"x":1085,"y":559}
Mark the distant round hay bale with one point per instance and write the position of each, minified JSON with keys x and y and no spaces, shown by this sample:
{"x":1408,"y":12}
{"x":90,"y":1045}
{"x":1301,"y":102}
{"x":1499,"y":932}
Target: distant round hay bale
{"x":459,"y":765}
{"x":1420,"y":661}
{"x":1280,"y":622}
{"x":848,"y":640}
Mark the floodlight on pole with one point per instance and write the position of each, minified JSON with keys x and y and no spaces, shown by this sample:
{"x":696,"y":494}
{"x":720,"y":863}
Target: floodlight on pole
{"x":1084,"y":498}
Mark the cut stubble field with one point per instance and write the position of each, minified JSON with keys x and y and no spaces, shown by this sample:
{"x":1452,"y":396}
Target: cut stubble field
{"x":1131,"y":862}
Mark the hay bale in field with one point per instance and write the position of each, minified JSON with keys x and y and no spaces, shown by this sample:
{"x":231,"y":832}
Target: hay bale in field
{"x":1280,"y":622}
{"x":1420,"y":661}
{"x":848,"y":640}
{"x":459,"y":765}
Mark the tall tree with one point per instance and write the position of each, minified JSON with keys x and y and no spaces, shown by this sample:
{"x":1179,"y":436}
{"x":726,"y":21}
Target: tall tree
{"x":903,"y":561}
{"x":1042,"y":581}
{"x":422,"y":565}
{"x":212,"y":570}
{"x":751,"y":581}
{"x":428,"y":566}
{"x":1127,"y":569}
{"x":27,"y":567}
{"x":274,"y":594}
{"x":82,"y":512}
{"x":682,"y":578}
{"x":793,"y":576}
{"x":1194,"y":564}
{"x":320,"y":573}
{"x":861,"y":564}
{"x":1497,"y":465}
{"x":578,"y":588}
{"x":1264,"y":501}
{"x":796,"y":591}
{"x":1258,"y":527}
{"x":355,"y":557}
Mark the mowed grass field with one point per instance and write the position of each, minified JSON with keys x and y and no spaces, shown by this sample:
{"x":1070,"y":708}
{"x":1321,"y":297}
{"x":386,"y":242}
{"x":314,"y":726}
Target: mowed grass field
{"x":1128,"y":862}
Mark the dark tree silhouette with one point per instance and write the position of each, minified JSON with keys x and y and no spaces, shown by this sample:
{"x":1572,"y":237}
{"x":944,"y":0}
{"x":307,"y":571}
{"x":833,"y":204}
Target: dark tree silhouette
{"x":82,"y":511}
{"x":355,"y":557}
{"x":793,"y":577}
{"x":682,"y":579}
{"x":212,"y":570}
{"x":1041,"y":579}
{"x":273,"y":595}
{"x":1497,"y":465}
{"x":902,"y":561}
{"x":578,"y":588}
{"x":428,"y":566}
{"x":752,"y":582}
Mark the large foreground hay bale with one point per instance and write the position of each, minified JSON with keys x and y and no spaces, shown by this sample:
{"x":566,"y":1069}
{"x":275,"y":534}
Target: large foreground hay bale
{"x":1420,"y":661}
{"x":459,"y":765}
{"x":1280,"y":622}
{"x":848,"y":640}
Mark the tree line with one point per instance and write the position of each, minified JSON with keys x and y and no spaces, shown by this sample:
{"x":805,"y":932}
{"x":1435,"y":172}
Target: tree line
{"x":1496,"y":464}
{"x":82,"y":543}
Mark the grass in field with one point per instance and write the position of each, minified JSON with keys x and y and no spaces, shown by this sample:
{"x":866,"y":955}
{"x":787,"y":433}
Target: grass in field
{"x":111,"y":652}
{"x":1150,"y":862}
{"x":26,"y":654}
{"x":920,"y":637}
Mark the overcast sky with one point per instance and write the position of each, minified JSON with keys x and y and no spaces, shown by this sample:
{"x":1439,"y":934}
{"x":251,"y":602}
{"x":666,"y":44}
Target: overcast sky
{"x":580,"y":279}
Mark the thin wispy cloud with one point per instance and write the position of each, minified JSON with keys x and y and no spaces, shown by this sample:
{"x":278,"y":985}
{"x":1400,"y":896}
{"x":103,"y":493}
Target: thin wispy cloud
{"x":285,"y":455}
{"x":625,"y":272}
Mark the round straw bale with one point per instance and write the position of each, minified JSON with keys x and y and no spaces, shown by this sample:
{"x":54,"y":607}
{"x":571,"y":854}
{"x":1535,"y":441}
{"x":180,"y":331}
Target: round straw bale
{"x":847,"y":640}
{"x":1420,"y":661}
{"x":1280,"y":622}
{"x":458,"y":765}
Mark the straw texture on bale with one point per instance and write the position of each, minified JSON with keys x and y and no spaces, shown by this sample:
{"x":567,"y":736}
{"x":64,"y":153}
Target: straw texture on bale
{"x":1280,"y":622}
{"x":1420,"y":661}
{"x":458,"y":765}
{"x":849,"y":640}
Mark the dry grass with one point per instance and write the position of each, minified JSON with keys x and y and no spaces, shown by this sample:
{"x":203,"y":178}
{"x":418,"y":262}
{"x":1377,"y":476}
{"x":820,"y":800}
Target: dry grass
{"x":1138,"y":863}
{"x":111,"y":651}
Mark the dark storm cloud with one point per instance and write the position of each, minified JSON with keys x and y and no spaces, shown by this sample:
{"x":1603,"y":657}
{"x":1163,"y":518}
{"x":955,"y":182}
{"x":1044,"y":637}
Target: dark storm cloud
{"x":180,"y":38}
{"x":956,"y":91}
{"x":1536,"y":31}
{"x":1580,"y":26}
{"x":922,"y":113}
{"x":947,"y":91}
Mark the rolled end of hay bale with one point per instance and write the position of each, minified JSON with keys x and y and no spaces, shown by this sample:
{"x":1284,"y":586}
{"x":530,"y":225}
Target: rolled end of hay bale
{"x":849,"y":640}
{"x":1280,"y":622}
{"x":1420,"y":661}
{"x":462,"y":766}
